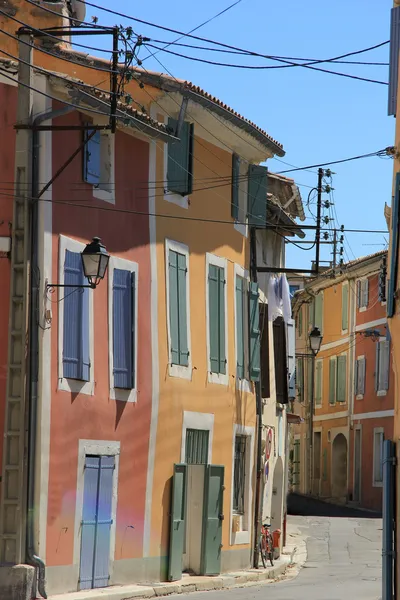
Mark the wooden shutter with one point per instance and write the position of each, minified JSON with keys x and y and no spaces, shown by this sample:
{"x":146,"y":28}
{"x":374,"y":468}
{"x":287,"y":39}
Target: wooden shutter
{"x":394,"y":60}
{"x":254,"y":333}
{"x":264,"y":351}
{"x":394,"y":247}
{"x":240,"y":322}
{"x":318,"y":383}
{"x":92,"y":158}
{"x":291,"y":346}
{"x":359,"y":293}
{"x":280,"y":361}
{"x":383,"y":367}
{"x":76,"y":361}
{"x":178,"y":308}
{"x":257,"y":195}
{"x":365,"y":292}
{"x":180,"y":160}
{"x":332,"y":380}
{"x":341,"y":378}
{"x":360,"y":376}
{"x":319,"y":311}
{"x":216,"y":295}
{"x":235,"y":186}
{"x":356,"y":382}
{"x":345,"y":306}
{"x":123,"y":328}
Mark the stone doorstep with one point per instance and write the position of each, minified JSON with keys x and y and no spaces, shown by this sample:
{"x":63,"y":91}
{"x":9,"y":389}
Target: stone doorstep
{"x":183,"y":586}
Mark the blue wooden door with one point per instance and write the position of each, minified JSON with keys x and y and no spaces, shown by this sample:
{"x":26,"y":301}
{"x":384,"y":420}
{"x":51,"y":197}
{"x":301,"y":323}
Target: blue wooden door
{"x":96,"y":522}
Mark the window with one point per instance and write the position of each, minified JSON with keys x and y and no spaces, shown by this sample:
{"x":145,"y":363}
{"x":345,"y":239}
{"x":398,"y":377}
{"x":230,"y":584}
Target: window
{"x":257,"y":195}
{"x":318,"y":382}
{"x":332,"y":380}
{"x":98,"y":164}
{"x":123,"y":328}
{"x":217,"y":325}
{"x":345,"y":306}
{"x":382,"y":366}
{"x":197,"y":441}
{"x":241,"y":326}
{"x":300,"y":322}
{"x":309,"y":380}
{"x":362,"y":293}
{"x":239,"y":476}
{"x":281,"y":378}
{"x":292,"y":289}
{"x":177,"y":256}
{"x":378,"y":456}
{"x":239,"y":193}
{"x":254,"y":333}
{"x":341,"y":394}
{"x":180,"y":160}
{"x":76,"y":360}
{"x":359,"y":377}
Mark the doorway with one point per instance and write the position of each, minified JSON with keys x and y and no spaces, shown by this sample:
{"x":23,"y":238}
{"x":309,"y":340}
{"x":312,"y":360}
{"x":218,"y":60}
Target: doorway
{"x":357,"y":466}
{"x":339,"y":467}
{"x":277,"y":496}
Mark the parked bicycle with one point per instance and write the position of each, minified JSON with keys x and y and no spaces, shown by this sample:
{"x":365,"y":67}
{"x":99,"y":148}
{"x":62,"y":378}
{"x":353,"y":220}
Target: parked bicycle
{"x":266,"y":545}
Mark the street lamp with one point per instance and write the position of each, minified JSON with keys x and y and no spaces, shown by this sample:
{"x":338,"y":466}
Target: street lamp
{"x":94,"y":263}
{"x":315,"y":340}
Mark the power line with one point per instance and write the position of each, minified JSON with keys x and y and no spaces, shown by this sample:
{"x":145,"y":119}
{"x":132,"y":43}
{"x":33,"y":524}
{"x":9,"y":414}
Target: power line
{"x":53,"y":12}
{"x":336,"y":162}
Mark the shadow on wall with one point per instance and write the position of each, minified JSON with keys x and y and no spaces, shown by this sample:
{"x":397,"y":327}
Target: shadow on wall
{"x":339,"y":467}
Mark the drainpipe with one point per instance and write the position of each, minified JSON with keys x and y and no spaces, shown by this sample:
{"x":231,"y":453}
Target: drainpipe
{"x":388,"y":554}
{"x":33,"y":367}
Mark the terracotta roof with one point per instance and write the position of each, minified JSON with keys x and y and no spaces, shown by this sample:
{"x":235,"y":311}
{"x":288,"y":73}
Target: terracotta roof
{"x":186,"y":88}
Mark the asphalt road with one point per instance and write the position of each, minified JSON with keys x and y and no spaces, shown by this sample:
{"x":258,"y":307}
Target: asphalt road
{"x":343,"y":558}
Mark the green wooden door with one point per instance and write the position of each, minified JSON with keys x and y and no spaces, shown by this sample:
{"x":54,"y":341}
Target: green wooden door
{"x":178,"y":513}
{"x":212,"y":520}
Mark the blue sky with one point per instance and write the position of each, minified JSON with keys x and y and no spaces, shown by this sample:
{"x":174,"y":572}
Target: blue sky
{"x":316,"y":116}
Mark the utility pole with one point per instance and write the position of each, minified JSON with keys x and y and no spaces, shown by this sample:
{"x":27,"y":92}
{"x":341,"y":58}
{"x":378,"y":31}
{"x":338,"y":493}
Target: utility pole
{"x":13,"y":489}
{"x":319,"y":210}
{"x":334,"y":247}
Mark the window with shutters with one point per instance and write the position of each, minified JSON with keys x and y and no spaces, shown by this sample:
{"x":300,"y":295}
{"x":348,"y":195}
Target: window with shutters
{"x":382,"y":367}
{"x":362,"y":294}
{"x":241,"y":326}
{"x":242,"y":489}
{"x":179,"y":164}
{"x":332,"y":379}
{"x":257,"y":195}
{"x":216,"y":307}
{"x":239,"y":474}
{"x":123,"y":328}
{"x":345,"y":307}
{"x":359,"y":377}
{"x":99,"y":164}
{"x":310,"y":366}
{"x":280,"y":361}
{"x":378,"y":456}
{"x":178,"y":309}
{"x":341,"y":380}
{"x":318,"y":382}
{"x":300,"y":322}
{"x":239,"y":193}
{"x":75,"y":333}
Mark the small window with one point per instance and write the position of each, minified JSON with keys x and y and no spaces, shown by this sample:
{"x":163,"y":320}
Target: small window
{"x":341,"y":385}
{"x":180,"y":160}
{"x":332,"y":380}
{"x":359,"y":376}
{"x":378,"y":456}
{"x":345,"y":306}
{"x":92,"y":162}
{"x":239,"y":477}
{"x":382,"y":366}
{"x":362,"y":293}
{"x":292,"y":289}
{"x":98,"y":164}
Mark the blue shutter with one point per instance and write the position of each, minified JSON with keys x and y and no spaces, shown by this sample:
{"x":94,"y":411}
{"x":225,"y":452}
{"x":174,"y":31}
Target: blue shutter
{"x":239,"y":326}
{"x":235,"y":185}
{"x":394,"y":249}
{"x":76,"y":360}
{"x":104,"y":522}
{"x":88,"y":525}
{"x":123,"y":328}
{"x":257,"y":195}
{"x":92,"y":163}
{"x":254,"y":333}
{"x":180,"y":160}
{"x":394,"y":60}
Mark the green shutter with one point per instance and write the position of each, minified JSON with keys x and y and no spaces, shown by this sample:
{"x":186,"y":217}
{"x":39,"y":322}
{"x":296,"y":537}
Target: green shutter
{"x":341,"y":378}
{"x":257,"y":195}
{"x":254,"y":333}
{"x":196,"y":449}
{"x":332,"y":381}
{"x":177,"y":522}
{"x":216,"y":299}
{"x":177,"y":308}
{"x":319,"y":311}
{"x":213,"y":517}
{"x":318,"y":383}
{"x":235,"y":186}
{"x":180,"y":161}
{"x":239,"y":290}
{"x":345,"y":306}
{"x":300,"y":321}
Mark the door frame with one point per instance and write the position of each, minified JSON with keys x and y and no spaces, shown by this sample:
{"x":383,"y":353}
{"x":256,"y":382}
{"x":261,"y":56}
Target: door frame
{"x":357,"y":428}
{"x":243,"y":536}
{"x":97,"y":448}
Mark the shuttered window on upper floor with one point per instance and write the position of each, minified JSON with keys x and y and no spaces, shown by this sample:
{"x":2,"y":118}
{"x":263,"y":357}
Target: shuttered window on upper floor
{"x":332,"y":380}
{"x":300,"y":322}
{"x":382,"y":366}
{"x":76,"y":358}
{"x":254,"y":333}
{"x":178,"y":310}
{"x":257,"y":195}
{"x":318,"y":382}
{"x":362,"y":293}
{"x":341,"y":385}
{"x":359,"y":376}
{"x":394,"y":60}
{"x":124,"y":323}
{"x":216,"y":318}
{"x":345,"y":306}
{"x":180,"y":159}
{"x":92,"y":157}
{"x":241,"y":325}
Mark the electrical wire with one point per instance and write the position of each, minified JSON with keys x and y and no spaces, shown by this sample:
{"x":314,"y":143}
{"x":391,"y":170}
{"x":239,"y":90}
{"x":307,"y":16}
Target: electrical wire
{"x":57,"y":14}
{"x":336,"y":162}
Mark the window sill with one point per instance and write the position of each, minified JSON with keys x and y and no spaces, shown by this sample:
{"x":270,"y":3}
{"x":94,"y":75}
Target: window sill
{"x":344,"y":332}
{"x":362,"y":309}
{"x":76,"y":386}
{"x":103,"y":195}
{"x":182,"y":201}
{"x":381,"y":393}
{"x":123,"y":395}
{"x":318,"y":405}
{"x":243,"y":385}
{"x":180,"y":371}
{"x":240,"y":537}
{"x":377,"y":484}
{"x":218,"y":378}
{"x":240,"y":228}
{"x":360,"y":397}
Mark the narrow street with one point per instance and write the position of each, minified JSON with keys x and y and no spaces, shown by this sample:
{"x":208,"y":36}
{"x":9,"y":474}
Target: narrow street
{"x":343,"y":558}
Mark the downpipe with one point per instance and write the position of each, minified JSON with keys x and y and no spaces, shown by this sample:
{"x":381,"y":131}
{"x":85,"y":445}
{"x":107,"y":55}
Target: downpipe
{"x":33,"y":365}
{"x":388,"y":520}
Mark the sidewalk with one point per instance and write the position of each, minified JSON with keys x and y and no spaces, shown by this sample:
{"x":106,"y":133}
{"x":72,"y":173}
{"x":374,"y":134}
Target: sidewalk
{"x":293,"y":553}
